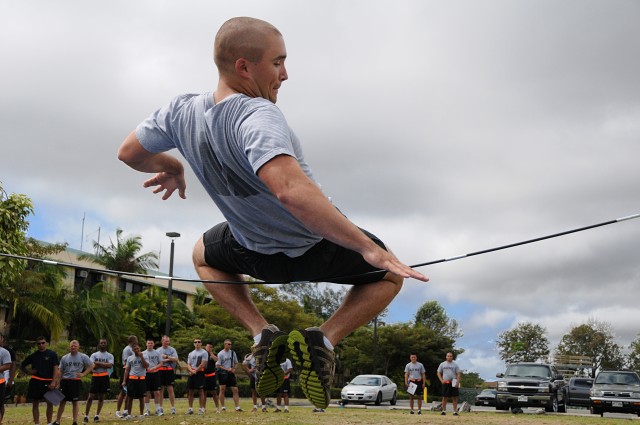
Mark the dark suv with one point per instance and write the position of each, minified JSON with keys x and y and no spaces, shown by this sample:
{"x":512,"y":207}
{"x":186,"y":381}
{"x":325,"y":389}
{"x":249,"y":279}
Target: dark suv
{"x":531,"y":385}
{"x":615,"y":391}
{"x":577,"y":392}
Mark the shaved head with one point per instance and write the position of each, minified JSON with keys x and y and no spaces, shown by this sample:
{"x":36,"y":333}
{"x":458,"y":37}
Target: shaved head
{"x":241,"y":37}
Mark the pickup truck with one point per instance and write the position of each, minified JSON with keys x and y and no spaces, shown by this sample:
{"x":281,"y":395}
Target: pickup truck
{"x":531,"y":385}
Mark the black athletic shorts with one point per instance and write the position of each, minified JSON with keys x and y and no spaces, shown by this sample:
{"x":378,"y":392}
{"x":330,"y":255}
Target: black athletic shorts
{"x":210,"y":382}
{"x":153,"y":381}
{"x":136,"y":388}
{"x":324,"y":262}
{"x":227,"y":379}
{"x":71,"y":389}
{"x":285,"y":388}
{"x":196,"y":382}
{"x":167,"y":377}
{"x":99,"y":384}
{"x":449,"y":390}
{"x":419,"y":389}
{"x":37,"y":388}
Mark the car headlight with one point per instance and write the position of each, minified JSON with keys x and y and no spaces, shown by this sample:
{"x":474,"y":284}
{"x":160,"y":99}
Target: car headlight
{"x":502,"y":386}
{"x":544,"y":388}
{"x":635,"y":395}
{"x":596,"y":393}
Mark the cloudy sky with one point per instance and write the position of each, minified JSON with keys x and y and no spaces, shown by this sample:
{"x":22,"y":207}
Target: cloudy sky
{"x":445,"y":127}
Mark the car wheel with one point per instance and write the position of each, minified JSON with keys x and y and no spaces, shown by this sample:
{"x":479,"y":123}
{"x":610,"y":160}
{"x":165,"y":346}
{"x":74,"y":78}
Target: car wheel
{"x":345,"y":402}
{"x":379,"y":399}
{"x":553,"y":404}
{"x":595,"y":411}
{"x":562,"y":408}
{"x":500,"y":406}
{"x":394,"y":399}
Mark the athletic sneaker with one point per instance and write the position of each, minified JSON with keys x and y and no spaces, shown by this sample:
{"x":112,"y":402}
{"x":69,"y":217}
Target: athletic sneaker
{"x":201,"y":411}
{"x":277,"y":410}
{"x":317,"y":364}
{"x":224,"y":409}
{"x":119,"y":415}
{"x":443,"y":413}
{"x":455,"y":413}
{"x":269,"y":353}
{"x":159,"y":411}
{"x":173,"y":410}
{"x":238,"y":409}
{"x":190,"y":411}
{"x":96,"y":418}
{"x":255,"y":409}
{"x":419,"y":412}
{"x":147,"y":412}
{"x":86,"y":419}
{"x":264,"y":409}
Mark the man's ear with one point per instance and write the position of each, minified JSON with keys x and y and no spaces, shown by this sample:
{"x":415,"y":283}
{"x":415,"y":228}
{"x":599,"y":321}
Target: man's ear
{"x":241,"y":67}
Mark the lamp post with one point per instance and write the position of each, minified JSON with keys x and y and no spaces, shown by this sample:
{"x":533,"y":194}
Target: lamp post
{"x":167,"y":325}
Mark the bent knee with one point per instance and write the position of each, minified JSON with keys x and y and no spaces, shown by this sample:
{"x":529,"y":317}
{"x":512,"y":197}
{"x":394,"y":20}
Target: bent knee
{"x":198,"y":256}
{"x":397,"y":280}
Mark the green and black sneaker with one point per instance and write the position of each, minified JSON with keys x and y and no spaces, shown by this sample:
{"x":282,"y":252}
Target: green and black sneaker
{"x":269,"y":353}
{"x":317,"y":365}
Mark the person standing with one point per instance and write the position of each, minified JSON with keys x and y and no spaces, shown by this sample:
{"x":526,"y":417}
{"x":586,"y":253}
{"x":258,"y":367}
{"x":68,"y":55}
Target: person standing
{"x":135,"y":374}
{"x":449,"y":375}
{"x":43,"y":369}
{"x":196,"y":364}
{"x":285,"y":388}
{"x":169,"y":358}
{"x":5,"y":365}
{"x":10,"y":373}
{"x":249,"y":366}
{"x":414,"y":372}
{"x":279,"y":225}
{"x":227,"y":362}
{"x":210,"y":378}
{"x":154,"y":360}
{"x":122,"y":396}
{"x":103,"y":361}
{"x":73,"y":367}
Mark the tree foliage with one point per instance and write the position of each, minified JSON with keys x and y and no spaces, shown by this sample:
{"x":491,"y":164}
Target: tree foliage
{"x":318,"y":299}
{"x":123,"y":255}
{"x":433,"y":316}
{"x":596,"y":340}
{"x":634,"y":355}
{"x":14,"y":211}
{"x":527,"y":342}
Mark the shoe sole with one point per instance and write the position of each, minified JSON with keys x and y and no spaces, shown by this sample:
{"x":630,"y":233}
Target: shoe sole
{"x":272,"y":376}
{"x":309,"y":379}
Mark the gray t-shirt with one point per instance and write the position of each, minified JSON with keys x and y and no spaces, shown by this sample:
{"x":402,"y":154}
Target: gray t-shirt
{"x":196,"y":357}
{"x":102,"y":357}
{"x":449,"y":370}
{"x":227,"y":359}
{"x":414,"y":370}
{"x":169,"y":352}
{"x":226,"y":144}
{"x":71,"y":365}
{"x":152,"y":357}
{"x":5,"y":358}
{"x":134,"y":363}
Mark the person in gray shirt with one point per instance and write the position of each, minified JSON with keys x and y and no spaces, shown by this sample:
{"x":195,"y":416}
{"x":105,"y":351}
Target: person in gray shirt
{"x":449,"y":375}
{"x":73,"y":367}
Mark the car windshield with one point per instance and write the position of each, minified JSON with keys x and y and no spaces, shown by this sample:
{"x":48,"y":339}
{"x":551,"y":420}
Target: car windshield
{"x":583,"y":383}
{"x":528,"y":371}
{"x":617,"y":378}
{"x":488,"y":392}
{"x":366,"y":380}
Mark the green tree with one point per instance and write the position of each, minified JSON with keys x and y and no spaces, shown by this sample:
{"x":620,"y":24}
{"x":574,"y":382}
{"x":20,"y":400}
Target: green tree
{"x":527,"y":342}
{"x":433,"y":316}
{"x":123,"y":255}
{"x":147,"y":309}
{"x":471,"y":380}
{"x":321,"y":300}
{"x":596,"y":340}
{"x":14,"y":211}
{"x":634,"y":355}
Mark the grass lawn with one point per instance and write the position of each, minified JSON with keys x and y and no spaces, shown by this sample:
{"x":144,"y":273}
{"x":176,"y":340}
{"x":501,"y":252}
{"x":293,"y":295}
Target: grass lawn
{"x":301,"y":413}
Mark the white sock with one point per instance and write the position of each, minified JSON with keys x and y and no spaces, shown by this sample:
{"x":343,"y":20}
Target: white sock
{"x":328,"y":344}
{"x":146,"y":406}
{"x":257,"y":338}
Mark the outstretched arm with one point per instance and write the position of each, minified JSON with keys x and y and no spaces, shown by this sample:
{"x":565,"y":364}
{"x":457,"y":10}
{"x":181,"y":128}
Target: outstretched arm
{"x":169,"y":171}
{"x":304,"y":199}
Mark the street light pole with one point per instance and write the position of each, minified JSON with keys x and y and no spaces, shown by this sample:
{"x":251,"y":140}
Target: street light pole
{"x":167,"y":325}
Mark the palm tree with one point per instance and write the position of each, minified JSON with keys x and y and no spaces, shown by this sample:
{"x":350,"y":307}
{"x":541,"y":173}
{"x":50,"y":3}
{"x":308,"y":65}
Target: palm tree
{"x":123,"y":255}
